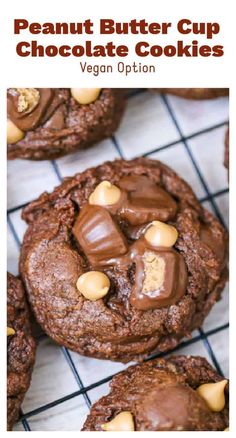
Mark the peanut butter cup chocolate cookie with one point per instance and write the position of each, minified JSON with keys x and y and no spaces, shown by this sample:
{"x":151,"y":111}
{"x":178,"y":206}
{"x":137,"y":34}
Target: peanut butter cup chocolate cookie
{"x":180,"y":393}
{"x":20,"y":348}
{"x":122,"y":260}
{"x":46,"y":123}
{"x":196,"y":93}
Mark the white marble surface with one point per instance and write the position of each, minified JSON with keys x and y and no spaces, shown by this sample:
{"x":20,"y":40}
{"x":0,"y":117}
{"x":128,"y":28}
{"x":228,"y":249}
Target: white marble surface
{"x":147,"y":127}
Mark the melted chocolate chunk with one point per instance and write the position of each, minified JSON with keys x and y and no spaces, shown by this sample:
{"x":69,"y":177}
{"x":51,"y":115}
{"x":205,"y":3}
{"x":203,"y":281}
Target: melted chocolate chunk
{"x":146,"y":201}
{"x":57,"y":120}
{"x":160,"y":276}
{"x":60,"y":96}
{"x":172,"y":407}
{"x":99,"y":235}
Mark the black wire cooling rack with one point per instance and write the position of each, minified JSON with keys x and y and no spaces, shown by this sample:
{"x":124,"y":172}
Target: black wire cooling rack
{"x":201,"y":335}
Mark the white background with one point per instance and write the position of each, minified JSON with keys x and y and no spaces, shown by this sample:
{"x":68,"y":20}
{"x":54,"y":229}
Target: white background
{"x":179,"y":72}
{"x":172,"y":72}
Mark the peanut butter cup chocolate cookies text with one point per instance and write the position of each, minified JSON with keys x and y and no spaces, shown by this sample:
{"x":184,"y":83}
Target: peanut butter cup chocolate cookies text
{"x":122,"y":260}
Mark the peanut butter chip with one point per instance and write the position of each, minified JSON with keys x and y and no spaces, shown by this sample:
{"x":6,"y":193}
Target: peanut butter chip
{"x":122,"y":422}
{"x":213,"y":394}
{"x":105,"y":194}
{"x":28,"y":99}
{"x":161,"y":234}
{"x":10,"y":331}
{"x":84,"y":96}
{"x":154,"y":269}
{"x":14,"y":134}
{"x":93,"y":285}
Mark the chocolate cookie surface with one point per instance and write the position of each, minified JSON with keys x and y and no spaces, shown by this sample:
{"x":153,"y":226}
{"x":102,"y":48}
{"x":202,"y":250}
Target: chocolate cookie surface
{"x":196,"y":93}
{"x":20,"y":348}
{"x":121,"y":260}
{"x":180,"y":393}
{"x":46,"y":123}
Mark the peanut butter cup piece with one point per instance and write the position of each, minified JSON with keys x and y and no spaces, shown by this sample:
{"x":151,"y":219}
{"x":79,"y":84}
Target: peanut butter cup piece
{"x":160,"y":278}
{"x":146,"y":201}
{"x":26,"y":106}
{"x":99,"y":236}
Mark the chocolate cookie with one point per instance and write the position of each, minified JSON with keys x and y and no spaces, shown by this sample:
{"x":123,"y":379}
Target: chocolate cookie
{"x":46,"y":123}
{"x":20,"y":348}
{"x":196,"y":93}
{"x":180,"y":393}
{"x":121,"y":260}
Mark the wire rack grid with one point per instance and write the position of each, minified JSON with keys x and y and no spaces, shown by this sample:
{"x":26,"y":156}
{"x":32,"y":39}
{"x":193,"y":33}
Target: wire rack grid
{"x":188,"y":136}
